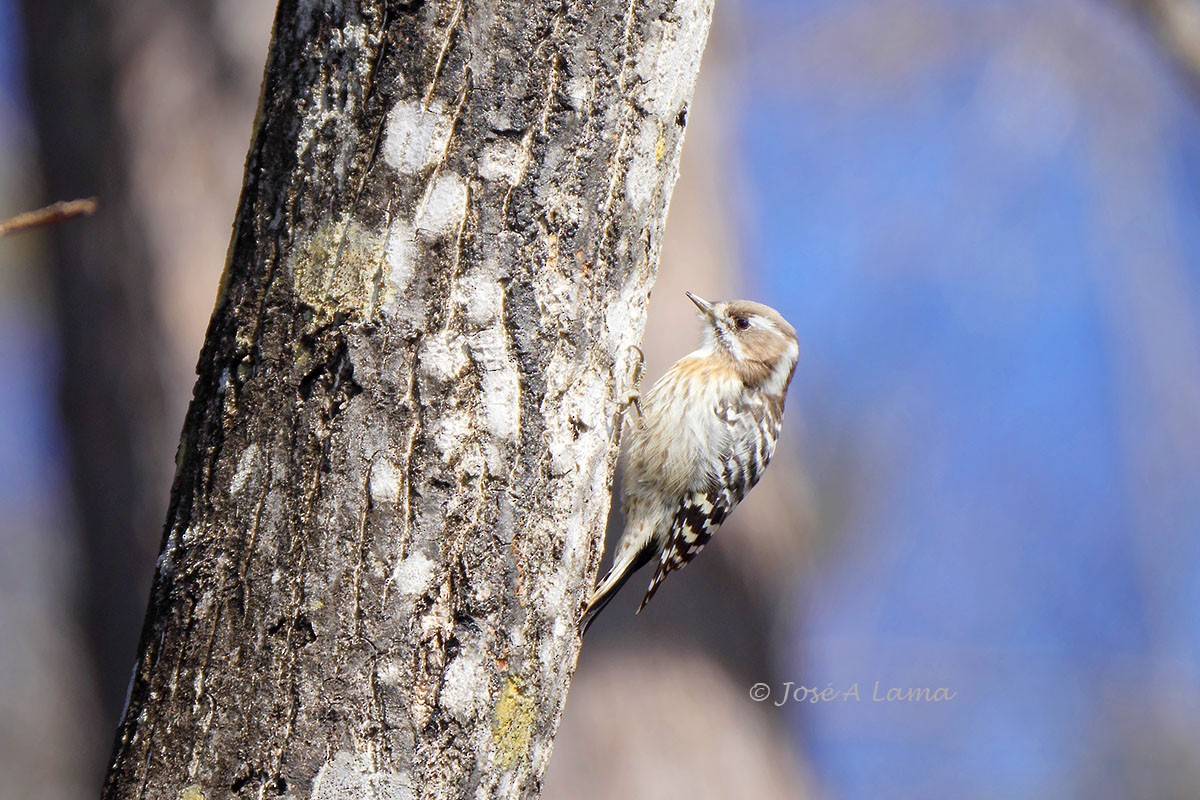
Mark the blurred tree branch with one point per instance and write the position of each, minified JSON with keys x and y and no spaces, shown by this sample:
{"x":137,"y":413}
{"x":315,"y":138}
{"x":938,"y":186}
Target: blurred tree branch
{"x":112,"y":392}
{"x":49,"y":215}
{"x":1176,"y":25}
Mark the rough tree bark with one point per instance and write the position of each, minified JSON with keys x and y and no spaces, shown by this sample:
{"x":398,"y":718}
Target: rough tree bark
{"x":396,"y":468}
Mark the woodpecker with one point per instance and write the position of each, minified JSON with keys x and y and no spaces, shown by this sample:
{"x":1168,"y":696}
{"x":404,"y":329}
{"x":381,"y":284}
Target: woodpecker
{"x":705,"y":433}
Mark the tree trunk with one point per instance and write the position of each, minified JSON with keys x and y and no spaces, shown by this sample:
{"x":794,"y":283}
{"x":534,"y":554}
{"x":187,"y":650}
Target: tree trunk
{"x":395,"y":472}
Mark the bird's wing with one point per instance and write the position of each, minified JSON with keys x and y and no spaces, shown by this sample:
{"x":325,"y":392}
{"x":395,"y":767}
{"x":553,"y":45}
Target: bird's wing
{"x":754,"y":429}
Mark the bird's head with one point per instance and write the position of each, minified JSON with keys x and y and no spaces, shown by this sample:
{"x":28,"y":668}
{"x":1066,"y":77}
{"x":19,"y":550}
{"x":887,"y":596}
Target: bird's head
{"x":759,"y":342}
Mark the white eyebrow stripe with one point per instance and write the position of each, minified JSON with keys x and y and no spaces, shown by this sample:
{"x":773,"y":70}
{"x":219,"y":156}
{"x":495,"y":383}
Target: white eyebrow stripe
{"x":763,"y":322}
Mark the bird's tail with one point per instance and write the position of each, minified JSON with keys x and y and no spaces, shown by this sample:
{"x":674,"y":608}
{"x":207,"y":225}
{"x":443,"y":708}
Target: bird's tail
{"x":614,"y":579}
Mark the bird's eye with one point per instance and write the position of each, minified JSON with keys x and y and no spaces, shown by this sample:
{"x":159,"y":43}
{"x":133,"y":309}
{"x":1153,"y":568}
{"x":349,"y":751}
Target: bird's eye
{"x":741,"y":323}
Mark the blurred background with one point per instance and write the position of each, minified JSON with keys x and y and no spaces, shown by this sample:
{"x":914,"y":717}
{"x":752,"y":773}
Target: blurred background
{"x":983,"y":219}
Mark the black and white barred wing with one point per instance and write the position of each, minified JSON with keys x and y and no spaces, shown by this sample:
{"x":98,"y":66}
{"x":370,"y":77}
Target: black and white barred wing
{"x":753,"y":431}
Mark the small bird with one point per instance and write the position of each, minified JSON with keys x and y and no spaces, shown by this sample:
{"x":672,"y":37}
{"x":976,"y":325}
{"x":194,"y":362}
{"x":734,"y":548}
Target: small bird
{"x":706,"y":431}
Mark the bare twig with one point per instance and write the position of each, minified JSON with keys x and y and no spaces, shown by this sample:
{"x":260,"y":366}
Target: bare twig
{"x":50,"y":215}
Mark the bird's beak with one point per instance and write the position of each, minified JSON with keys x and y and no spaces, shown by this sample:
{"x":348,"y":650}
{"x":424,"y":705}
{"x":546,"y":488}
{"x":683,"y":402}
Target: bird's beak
{"x":703,"y":305}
